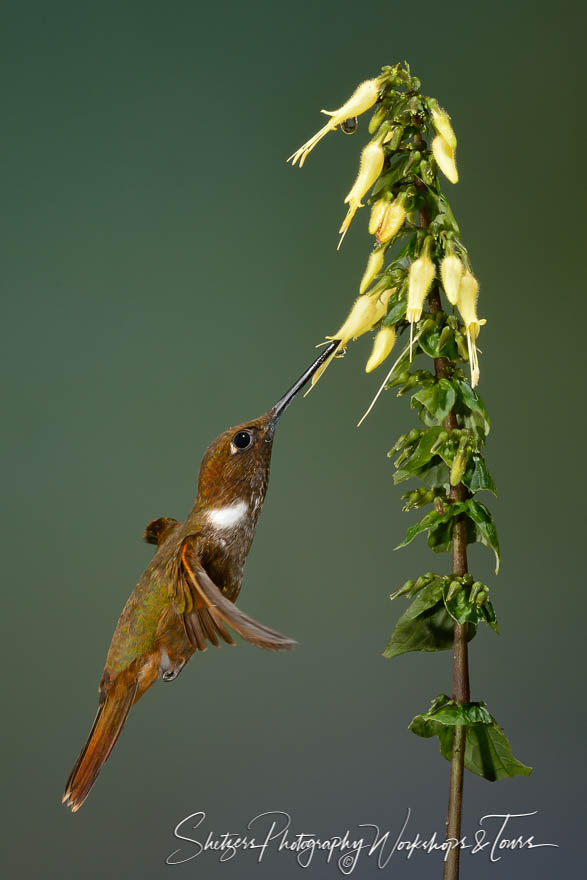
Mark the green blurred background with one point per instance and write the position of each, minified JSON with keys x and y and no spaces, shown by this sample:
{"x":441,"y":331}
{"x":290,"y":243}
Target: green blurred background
{"x":167,"y":275}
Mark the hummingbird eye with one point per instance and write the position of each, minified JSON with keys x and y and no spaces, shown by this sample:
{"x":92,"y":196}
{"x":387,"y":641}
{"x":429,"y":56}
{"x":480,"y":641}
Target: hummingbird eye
{"x":242,"y":440}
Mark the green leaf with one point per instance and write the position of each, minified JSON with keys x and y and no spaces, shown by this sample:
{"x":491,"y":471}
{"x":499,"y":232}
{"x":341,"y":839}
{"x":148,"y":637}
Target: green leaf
{"x":435,"y":475}
{"x":432,"y":519}
{"x":445,"y":219}
{"x":397,"y":312}
{"x":477,"y":476}
{"x":471,"y":401}
{"x":436,"y":343}
{"x":421,"y":455}
{"x":486,"y":528}
{"x":438,"y":399}
{"x":395,"y":173}
{"x":487,"y":750}
{"x":425,"y":626}
{"x":440,"y":537}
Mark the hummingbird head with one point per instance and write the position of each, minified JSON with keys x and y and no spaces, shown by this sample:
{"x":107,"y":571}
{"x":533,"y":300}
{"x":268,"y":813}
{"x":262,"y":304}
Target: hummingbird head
{"x":236,"y":465}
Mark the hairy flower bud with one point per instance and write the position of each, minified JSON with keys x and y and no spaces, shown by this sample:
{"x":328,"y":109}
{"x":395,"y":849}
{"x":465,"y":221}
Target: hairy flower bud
{"x":370,"y":168}
{"x":459,"y":465}
{"x":420,"y":279}
{"x":393,"y":219}
{"x":377,"y":213}
{"x":451,"y":272}
{"x":445,"y":158}
{"x":364,"y":96}
{"x":441,"y":122}
{"x":374,"y":266}
{"x":382,"y":346}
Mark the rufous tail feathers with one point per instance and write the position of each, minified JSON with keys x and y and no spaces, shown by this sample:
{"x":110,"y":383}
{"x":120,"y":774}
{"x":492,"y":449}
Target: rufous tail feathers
{"x":114,"y":706}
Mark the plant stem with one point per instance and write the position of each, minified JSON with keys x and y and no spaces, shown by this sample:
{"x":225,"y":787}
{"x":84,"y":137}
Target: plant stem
{"x":460,"y":670}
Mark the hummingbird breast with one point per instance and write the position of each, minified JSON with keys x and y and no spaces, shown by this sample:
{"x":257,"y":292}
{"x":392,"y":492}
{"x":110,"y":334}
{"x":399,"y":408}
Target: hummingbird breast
{"x":227,"y":532}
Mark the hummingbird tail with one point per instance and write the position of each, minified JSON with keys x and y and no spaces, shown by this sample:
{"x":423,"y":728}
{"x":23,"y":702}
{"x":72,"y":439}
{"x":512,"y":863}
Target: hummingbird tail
{"x":110,"y":717}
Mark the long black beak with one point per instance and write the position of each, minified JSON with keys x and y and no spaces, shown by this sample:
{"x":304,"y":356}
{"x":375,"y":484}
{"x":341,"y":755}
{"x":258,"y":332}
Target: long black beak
{"x":287,"y":398}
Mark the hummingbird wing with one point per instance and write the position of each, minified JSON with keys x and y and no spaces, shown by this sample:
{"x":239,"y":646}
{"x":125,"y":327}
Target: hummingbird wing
{"x":159,"y":529}
{"x":211,"y":609}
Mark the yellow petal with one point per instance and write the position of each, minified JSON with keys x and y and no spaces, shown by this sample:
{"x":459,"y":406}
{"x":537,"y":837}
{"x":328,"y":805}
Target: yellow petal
{"x":370,"y":167}
{"x":364,"y":96}
{"x":392,"y":222}
{"x":441,"y":122}
{"x":420,"y":279}
{"x":451,"y":272}
{"x":377,"y":212}
{"x":467,"y":299}
{"x":445,"y":157}
{"x":382,"y":346}
{"x":374,"y":265}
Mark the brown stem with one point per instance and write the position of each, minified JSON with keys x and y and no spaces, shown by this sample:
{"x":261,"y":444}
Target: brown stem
{"x":460,"y":670}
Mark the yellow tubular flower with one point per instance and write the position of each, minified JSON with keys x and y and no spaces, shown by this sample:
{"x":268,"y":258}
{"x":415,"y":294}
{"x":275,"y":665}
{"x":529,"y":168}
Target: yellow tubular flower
{"x":451,"y":272}
{"x":374,"y":265}
{"x":377,"y":213}
{"x":364,"y":96}
{"x":467,"y":305}
{"x":420,"y":279}
{"x":393,"y":220}
{"x":364,"y":314}
{"x":441,"y":122}
{"x":445,"y":157}
{"x":370,"y":168}
{"x":383,"y":344}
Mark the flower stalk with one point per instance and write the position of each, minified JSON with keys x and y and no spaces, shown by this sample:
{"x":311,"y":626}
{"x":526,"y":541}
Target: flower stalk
{"x":420,"y":261}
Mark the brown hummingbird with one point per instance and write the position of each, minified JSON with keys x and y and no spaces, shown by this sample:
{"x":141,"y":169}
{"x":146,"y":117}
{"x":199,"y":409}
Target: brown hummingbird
{"x":185,"y":597}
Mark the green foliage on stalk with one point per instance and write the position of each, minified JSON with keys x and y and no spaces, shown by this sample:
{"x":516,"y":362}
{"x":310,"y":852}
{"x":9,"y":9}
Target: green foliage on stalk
{"x":418,"y":261}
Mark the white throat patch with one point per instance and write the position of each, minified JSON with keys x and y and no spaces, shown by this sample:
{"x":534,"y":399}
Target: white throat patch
{"x":229,"y":516}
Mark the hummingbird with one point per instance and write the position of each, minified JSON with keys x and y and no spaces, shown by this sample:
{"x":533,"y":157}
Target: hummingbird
{"x":184,"y":601}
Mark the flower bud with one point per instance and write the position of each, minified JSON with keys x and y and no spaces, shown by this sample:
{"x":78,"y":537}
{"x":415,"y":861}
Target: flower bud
{"x":451,"y":272}
{"x":364,"y":96}
{"x":441,"y":122}
{"x":445,"y":158}
{"x":458,"y":467}
{"x":370,"y":168}
{"x":462,"y":346}
{"x":382,"y":346}
{"x":454,"y":588}
{"x":407,"y":587}
{"x":377,"y":213}
{"x":442,"y":437}
{"x":393,"y":137}
{"x":476,"y":589}
{"x":374,"y":265}
{"x":378,"y":117}
{"x":393,"y":219}
{"x":427,"y":173}
{"x":420,"y":279}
